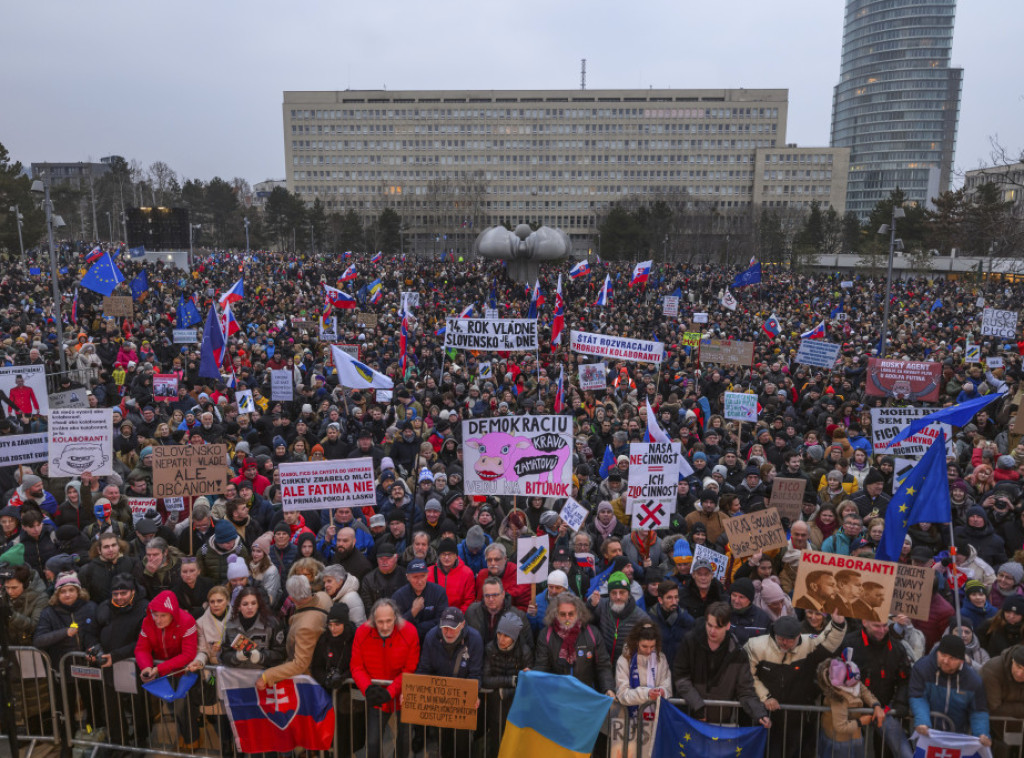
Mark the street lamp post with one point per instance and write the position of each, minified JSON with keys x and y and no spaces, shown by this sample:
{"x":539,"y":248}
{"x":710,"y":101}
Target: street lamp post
{"x":889,"y":229}
{"x":191,"y":252}
{"x":246,"y":220}
{"x":110,"y":223}
{"x":19,"y":219}
{"x":39,"y":186}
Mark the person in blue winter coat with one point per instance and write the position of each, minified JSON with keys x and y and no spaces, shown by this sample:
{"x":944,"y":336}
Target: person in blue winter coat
{"x":558,"y":582}
{"x":471,"y":549}
{"x":421,"y":602}
{"x":942,"y":683}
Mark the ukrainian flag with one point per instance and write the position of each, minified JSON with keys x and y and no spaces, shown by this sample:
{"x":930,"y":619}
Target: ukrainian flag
{"x":553,"y":716}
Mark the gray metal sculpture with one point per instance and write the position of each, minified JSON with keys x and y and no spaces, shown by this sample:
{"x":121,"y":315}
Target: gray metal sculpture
{"x":524,"y":249}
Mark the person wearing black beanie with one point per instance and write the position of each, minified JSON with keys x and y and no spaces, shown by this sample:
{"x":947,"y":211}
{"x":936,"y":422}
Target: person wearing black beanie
{"x":872,"y":500}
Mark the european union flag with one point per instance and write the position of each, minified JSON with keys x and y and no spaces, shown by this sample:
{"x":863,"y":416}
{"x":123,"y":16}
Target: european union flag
{"x":140,"y":285}
{"x":936,"y":305}
{"x":103,"y":276}
{"x":34,"y":271}
{"x":607,"y":462}
{"x":187,"y":315}
{"x":751,"y":276}
{"x":955,"y":415}
{"x":679,"y":736}
{"x":137,"y":252}
{"x":923,"y":497}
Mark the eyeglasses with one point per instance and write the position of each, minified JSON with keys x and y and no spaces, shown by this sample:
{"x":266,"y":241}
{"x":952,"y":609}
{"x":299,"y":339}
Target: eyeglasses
{"x":492,"y":595}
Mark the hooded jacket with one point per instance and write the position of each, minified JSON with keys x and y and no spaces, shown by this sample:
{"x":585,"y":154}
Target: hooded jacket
{"x":376,"y":657}
{"x":884,"y":667}
{"x":120,"y":627}
{"x":1004,"y":694}
{"x":173,"y":647}
{"x":960,"y":696}
{"x":459,"y":583}
{"x":988,"y":545}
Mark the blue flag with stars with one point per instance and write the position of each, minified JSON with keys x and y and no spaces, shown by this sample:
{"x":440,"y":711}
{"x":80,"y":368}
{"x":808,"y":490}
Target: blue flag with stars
{"x":923,"y":497}
{"x":679,"y":736}
{"x":103,"y":276}
{"x":139,"y":285}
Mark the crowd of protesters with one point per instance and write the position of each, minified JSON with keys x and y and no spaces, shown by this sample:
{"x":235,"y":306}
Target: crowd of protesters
{"x":426,"y":581}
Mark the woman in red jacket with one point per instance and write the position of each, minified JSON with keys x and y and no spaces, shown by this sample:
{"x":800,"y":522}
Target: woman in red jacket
{"x":384,"y":648}
{"x":168,"y":643}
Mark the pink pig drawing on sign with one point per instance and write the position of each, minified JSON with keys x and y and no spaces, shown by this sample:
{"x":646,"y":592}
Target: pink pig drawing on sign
{"x":503,"y":456}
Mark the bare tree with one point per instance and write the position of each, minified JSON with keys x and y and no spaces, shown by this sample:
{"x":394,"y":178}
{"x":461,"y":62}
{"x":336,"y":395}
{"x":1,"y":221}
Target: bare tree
{"x":162,"y":176}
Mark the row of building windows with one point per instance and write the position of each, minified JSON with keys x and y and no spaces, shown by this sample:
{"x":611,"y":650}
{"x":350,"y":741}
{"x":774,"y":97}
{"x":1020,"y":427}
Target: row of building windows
{"x":533,"y":160}
{"x":524,"y":129}
{"x":562,"y":145}
{"x":512,"y":175}
{"x":462,"y":114}
{"x":801,"y":174}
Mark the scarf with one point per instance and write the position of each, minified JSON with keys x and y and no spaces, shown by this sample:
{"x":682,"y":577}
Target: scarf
{"x":569,"y":636}
{"x":605,"y":530}
{"x":826,"y":531}
{"x":634,"y":681}
{"x":643,"y":547}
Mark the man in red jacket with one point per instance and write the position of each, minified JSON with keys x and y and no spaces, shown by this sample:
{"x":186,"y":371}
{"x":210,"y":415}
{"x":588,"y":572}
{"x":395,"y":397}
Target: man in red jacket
{"x":454,"y":575}
{"x":500,"y":566}
{"x":168,"y":643}
{"x":384,"y":648}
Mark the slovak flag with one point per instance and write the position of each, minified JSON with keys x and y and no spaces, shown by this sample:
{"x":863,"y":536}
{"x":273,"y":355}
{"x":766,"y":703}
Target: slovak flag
{"x":348,"y":274}
{"x":817,"y":333}
{"x":295,"y":712}
{"x":606,"y":291}
{"x":467,"y":312}
{"x":228,"y":322}
{"x":939,"y":744}
{"x":641,"y":273}
{"x":558,"y":323}
{"x":232,"y":382}
{"x":338,"y":299}
{"x":346,"y":255}
{"x":378,"y":257}
{"x":440,"y":331}
{"x":772,"y":327}
{"x":233,"y":295}
{"x":580,"y":269}
{"x":403,"y":342}
{"x":535,"y":301}
{"x":94,"y":255}
{"x":559,"y":404}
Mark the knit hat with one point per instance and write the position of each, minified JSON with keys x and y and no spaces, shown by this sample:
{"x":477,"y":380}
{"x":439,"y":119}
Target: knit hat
{"x":224,"y":532}
{"x":510,"y":625}
{"x":433,"y":505}
{"x":15,"y":556}
{"x":843,"y":672}
{"x":425,"y":475}
{"x":815,"y":453}
{"x":237,"y":568}
{"x":387,"y":464}
{"x":68,"y":577}
{"x":681,"y":552}
{"x":60,"y":563}
{"x":263,"y":542}
{"x":122,"y":582}
{"x":1017,"y":654}
{"x":1006,"y":462}
{"x":558,"y":578}
{"x":447,"y":545}
{"x":338,"y":613}
{"x":874,"y":477}
{"x":973,"y":586}
{"x":787,"y":626}
{"x":617,"y":581}
{"x":147,"y":450}
{"x":700,"y":456}
{"x":241,"y":447}
{"x":29,"y":481}
{"x":1014,"y":569}
{"x":745,"y":587}
{"x":280,"y":526}
{"x":278,"y":441}
{"x":148,"y":526}
{"x":377,"y":519}
{"x":475,"y":537}
{"x":771,"y":592}
{"x":1014,"y":603}
{"x":953,"y":646}
{"x":604,"y":505}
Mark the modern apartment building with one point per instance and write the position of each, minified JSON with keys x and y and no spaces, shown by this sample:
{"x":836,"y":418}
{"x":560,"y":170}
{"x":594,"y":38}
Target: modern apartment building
{"x":454,"y":162}
{"x":898,"y":101}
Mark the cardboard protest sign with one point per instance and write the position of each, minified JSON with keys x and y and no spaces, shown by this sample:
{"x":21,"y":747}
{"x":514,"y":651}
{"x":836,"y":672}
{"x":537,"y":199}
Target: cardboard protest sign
{"x":592,"y":376}
{"x":997,"y":323}
{"x":532,"y":558}
{"x":818,"y":353}
{"x":281,"y":386}
{"x":653,"y":481}
{"x":573,"y":514}
{"x":755,"y":532}
{"x":912,"y":593}
{"x":26,"y":387}
{"x":506,"y":334}
{"x":886,"y":423}
{"x":859,"y":588}
{"x":312,"y":485}
{"x":518,"y":455}
{"x":366,"y":319}
{"x":328,"y":329}
{"x":719,"y":561}
{"x":787,"y":497}
{"x":81,"y":439}
{"x":670,"y":306}
{"x":904,"y":380}
{"x":245,"y":402}
{"x":727,"y":352}
{"x":740,"y":406}
{"x":165,"y":388}
{"x":619,"y":348}
{"x":118,"y":306}
{"x":190,"y":470}
{"x":443,"y":701}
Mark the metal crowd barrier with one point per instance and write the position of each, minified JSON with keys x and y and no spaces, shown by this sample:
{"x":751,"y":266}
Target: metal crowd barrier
{"x":104,"y":711}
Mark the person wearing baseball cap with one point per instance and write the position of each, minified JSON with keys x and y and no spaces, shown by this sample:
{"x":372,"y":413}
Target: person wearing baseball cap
{"x":940,"y":683}
{"x":420,"y":601}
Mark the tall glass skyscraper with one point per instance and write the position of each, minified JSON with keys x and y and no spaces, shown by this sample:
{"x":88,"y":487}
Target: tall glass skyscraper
{"x":897,"y":102}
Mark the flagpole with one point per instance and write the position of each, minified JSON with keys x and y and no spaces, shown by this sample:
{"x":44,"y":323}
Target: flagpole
{"x":956,"y":570}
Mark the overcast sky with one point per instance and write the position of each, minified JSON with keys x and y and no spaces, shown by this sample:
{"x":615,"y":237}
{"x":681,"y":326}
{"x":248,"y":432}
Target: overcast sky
{"x":199,"y":84}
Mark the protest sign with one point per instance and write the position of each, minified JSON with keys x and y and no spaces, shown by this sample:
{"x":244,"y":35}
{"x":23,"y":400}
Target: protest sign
{"x":670,"y":306}
{"x":651,"y":514}
{"x":329,"y":329}
{"x":69,"y":399}
{"x":818,"y":353}
{"x":409,"y":300}
{"x":81,"y":439}
{"x":904,"y":380}
{"x":518,"y":455}
{"x":787,"y":497}
{"x":755,"y":532}
{"x":491,"y":313}
{"x":857,"y":588}
{"x":692,"y":339}
{"x":993,"y":362}
{"x":532,"y":558}
{"x":700,"y":318}
{"x":592,"y":376}
{"x":483,"y":370}
{"x":514,"y":335}
{"x":118,"y":306}
{"x":174,"y":504}
{"x":997,"y":323}
{"x":972,"y":353}
{"x":384,"y":396}
{"x":444,"y":701}
{"x":619,"y":348}
{"x":190,"y":470}
{"x":912,"y":593}
{"x":886,"y":423}
{"x":165,"y":388}
{"x":352,"y":350}
{"x":26,"y":388}
{"x":846,"y":284}
{"x":185,"y":336}
{"x":245,"y":402}
{"x":653,"y":475}
{"x":901,"y":467}
{"x":740,"y":406}
{"x":366,"y":319}
{"x":281,"y":386}
{"x":23,"y":448}
{"x":727,"y":352}
{"x":140,"y":506}
{"x":573,"y":514}
{"x":312,"y":485}
{"x":719,"y":562}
